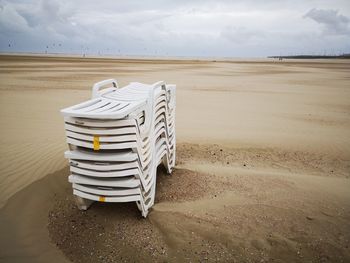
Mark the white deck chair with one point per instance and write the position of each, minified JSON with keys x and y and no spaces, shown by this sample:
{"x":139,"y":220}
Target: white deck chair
{"x":136,"y":131}
{"x":120,"y":170}
{"x":86,"y":140}
{"x":80,"y":136}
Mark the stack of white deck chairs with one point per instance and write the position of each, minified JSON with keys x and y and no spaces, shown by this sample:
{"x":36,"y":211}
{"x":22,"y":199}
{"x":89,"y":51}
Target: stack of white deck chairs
{"x":117,"y":140}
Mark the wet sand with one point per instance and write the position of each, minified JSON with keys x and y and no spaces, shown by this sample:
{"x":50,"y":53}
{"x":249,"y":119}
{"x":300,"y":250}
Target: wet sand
{"x":262,"y":174}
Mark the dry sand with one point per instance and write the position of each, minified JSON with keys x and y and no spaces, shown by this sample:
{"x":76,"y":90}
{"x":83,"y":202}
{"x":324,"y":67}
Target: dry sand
{"x":262,"y":174}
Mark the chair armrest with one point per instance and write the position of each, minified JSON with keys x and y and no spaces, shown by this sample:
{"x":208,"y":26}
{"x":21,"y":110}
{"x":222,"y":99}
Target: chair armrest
{"x":97,"y":86}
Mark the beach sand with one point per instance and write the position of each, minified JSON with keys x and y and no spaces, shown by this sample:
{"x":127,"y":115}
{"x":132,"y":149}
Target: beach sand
{"x":263,"y":168}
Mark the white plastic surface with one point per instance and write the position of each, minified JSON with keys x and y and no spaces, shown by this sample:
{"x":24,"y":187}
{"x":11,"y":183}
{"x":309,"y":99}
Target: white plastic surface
{"x":135,"y":131}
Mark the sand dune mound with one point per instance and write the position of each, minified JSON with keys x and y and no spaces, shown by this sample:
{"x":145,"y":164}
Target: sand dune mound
{"x":220,"y":210}
{"x":316,"y":163}
{"x":111,"y":231}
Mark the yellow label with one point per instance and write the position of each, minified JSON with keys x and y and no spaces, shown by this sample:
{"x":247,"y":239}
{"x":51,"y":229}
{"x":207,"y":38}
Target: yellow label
{"x":101,"y":198}
{"x":96,"y":142}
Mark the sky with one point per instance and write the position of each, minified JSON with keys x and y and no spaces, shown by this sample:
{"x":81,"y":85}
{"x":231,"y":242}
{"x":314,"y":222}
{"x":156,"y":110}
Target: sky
{"x":241,"y":28}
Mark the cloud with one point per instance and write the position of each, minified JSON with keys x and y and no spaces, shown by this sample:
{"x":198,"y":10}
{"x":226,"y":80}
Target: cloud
{"x":333,"y":22}
{"x":11,"y":21}
{"x":178,"y":28}
{"x":242,"y":35}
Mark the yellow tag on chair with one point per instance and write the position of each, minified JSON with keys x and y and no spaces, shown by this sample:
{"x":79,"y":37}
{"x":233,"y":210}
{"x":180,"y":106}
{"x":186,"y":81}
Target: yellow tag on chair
{"x":96,"y":143}
{"x":101,"y":198}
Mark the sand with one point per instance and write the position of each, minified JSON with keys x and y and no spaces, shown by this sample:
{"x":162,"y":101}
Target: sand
{"x":262,"y":173}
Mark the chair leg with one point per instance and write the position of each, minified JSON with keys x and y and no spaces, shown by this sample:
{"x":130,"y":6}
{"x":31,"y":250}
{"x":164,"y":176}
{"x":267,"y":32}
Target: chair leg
{"x":82,"y":203}
{"x":166,"y":165}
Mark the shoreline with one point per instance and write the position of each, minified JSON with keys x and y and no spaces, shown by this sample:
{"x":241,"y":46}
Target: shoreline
{"x":132,"y":59}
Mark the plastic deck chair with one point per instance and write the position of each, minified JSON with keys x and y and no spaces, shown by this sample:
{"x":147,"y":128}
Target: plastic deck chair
{"x":117,"y":139}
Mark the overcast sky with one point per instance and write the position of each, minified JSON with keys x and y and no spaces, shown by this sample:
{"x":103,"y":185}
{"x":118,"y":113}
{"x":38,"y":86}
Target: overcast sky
{"x":242,"y":28}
